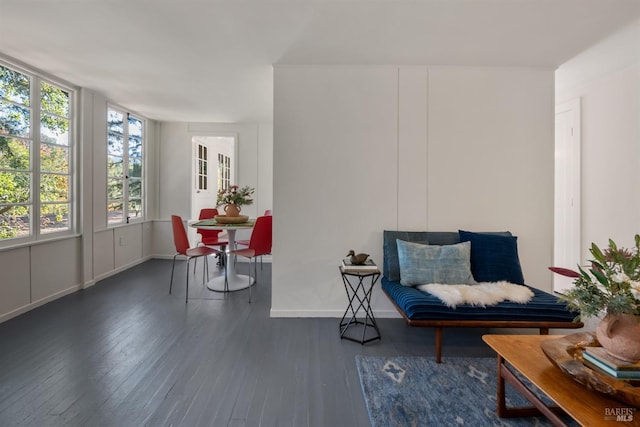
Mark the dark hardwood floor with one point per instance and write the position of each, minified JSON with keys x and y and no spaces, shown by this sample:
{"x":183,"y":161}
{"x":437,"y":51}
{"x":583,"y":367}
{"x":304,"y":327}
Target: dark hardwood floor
{"x":126,"y":353}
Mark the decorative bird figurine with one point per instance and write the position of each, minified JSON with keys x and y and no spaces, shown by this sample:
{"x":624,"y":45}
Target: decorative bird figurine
{"x":359,"y":259}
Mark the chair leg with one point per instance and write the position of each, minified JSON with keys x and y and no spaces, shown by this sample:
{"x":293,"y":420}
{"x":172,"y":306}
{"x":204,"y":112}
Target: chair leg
{"x":186,"y":298}
{"x":255,"y":270}
{"x":226,"y":281}
{"x":172,"y":268}
{"x":205,"y":273}
{"x":250,"y":280}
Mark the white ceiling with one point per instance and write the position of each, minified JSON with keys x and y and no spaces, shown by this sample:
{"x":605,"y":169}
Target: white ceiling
{"x":211,"y":60}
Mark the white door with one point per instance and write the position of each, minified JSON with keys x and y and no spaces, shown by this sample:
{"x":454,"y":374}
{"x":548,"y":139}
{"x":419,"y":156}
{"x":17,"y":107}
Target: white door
{"x":213,"y":161}
{"x":566,"y":248}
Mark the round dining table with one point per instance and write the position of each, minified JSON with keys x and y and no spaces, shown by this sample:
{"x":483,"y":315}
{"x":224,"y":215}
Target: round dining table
{"x":235,"y":281}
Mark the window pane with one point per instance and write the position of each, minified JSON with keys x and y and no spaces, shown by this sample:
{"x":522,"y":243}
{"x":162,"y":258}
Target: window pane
{"x":135,"y":208}
{"x":135,"y":147}
{"x":14,"y":221}
{"x":14,"y":86}
{"x":115,"y":167}
{"x":15,"y":187}
{"x":115,"y":145}
{"x":14,"y":153}
{"x":54,"y":158}
{"x":135,"y":188}
{"x":135,"y":127}
{"x":114,"y":213}
{"x":115,"y":122}
{"x":54,"y":130}
{"x":35,"y":192}
{"x":114,"y":189}
{"x":54,"y":100}
{"x":54,"y":188}
{"x":54,"y":217}
{"x":125,"y":139}
{"x":14,"y":119}
{"x":135,"y":168}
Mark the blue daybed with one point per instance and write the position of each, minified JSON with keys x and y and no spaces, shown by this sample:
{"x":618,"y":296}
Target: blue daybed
{"x":493,"y":257}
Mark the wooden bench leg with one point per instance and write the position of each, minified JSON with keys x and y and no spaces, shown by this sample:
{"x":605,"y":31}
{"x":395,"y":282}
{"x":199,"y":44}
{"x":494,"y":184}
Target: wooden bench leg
{"x":438,"y":344}
{"x":544,"y":331}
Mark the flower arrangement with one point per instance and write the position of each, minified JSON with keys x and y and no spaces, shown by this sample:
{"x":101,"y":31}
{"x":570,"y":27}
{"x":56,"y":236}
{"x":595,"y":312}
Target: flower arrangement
{"x":612,"y":284}
{"x":234,"y":195}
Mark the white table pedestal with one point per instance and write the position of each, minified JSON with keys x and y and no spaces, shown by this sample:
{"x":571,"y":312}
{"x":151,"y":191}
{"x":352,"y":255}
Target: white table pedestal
{"x":236,"y":281}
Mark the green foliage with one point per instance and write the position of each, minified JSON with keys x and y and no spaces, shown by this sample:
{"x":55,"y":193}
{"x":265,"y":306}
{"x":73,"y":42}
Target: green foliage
{"x":235,"y":196}
{"x":611,"y":284}
{"x":16,"y":163}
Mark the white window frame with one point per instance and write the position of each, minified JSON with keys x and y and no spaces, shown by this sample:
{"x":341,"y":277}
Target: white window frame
{"x":126,"y":216}
{"x":202,"y":169}
{"x":224,"y":171}
{"x":35,"y":138}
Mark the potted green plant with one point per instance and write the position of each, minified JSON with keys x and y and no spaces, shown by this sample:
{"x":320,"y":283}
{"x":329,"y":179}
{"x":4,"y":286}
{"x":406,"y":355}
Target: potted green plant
{"x":611,"y":286}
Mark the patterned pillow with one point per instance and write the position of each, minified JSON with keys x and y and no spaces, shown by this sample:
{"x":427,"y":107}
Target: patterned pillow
{"x":494,"y":258}
{"x":447,"y":264}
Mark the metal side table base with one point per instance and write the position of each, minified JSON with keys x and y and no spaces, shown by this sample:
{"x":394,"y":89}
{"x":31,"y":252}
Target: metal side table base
{"x":359,"y":295}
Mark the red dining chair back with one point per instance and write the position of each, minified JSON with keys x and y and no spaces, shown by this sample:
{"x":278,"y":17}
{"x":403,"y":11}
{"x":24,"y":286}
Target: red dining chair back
{"x":210,"y":237}
{"x":259,"y":244}
{"x":262,"y":236}
{"x":245,"y":242}
{"x":181,"y":242}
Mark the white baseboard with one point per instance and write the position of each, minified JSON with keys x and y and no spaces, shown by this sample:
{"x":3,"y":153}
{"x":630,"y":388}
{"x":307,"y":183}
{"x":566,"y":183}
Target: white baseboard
{"x":121,"y":269}
{"x":28,"y":307}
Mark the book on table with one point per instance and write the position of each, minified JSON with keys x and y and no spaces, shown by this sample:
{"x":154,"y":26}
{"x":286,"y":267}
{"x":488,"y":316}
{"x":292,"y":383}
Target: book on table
{"x":601,"y":355}
{"x":621,"y":374}
{"x":367,"y":267}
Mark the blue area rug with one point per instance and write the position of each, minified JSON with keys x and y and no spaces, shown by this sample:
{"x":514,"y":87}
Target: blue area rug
{"x":416,"y":391}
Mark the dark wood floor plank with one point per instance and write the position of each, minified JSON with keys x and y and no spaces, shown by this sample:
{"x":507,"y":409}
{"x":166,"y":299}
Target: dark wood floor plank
{"x":126,"y":353}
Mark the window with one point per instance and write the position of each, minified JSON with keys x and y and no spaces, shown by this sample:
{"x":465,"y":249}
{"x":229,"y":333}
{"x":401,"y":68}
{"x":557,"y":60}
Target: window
{"x":125,"y":140}
{"x":224,"y":171}
{"x":36,"y":156}
{"x":202,"y":181}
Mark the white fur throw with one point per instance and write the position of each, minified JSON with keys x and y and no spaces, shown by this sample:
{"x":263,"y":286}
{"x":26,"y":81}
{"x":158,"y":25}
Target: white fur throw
{"x":481,"y":294}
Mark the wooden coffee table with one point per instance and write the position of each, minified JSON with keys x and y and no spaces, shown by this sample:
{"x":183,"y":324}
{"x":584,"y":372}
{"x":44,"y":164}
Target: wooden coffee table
{"x":523,"y":354}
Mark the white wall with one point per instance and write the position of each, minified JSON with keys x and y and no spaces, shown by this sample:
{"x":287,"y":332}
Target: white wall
{"x":361,"y":149}
{"x":255,"y":169}
{"x":606,"y":78}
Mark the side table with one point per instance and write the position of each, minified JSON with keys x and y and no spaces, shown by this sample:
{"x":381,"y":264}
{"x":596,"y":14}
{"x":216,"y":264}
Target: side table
{"x":359,"y":286}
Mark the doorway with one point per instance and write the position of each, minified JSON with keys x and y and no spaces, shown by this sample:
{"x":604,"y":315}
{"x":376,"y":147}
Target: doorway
{"x":213,"y":168}
{"x":567,"y":222}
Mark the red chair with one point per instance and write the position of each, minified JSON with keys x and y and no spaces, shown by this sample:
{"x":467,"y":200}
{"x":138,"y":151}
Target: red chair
{"x":211,"y":237}
{"x":267,"y":212}
{"x":259,"y":244}
{"x":181,"y":242}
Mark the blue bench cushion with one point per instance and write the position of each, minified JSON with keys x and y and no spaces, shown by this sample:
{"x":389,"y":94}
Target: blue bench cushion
{"x":419,"y":305}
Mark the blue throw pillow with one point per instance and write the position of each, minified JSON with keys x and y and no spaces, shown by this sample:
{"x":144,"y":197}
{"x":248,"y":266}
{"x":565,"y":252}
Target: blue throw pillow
{"x":493,"y":257}
{"x":421,"y":264}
